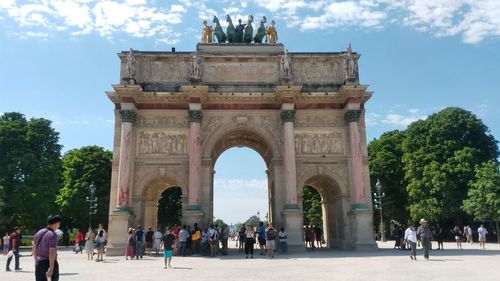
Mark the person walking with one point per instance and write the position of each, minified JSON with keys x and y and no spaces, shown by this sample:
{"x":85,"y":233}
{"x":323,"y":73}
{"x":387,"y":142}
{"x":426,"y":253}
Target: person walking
{"x":410,"y":238}
{"x":241,"y":238}
{"x":157,"y":241}
{"x":167,"y":243}
{"x":130,"y":251}
{"x":14,"y":243}
{"x":440,"y":237}
{"x":224,"y":239}
{"x":79,"y":242}
{"x":249,"y":240}
{"x":100,"y":240}
{"x":139,"y":242}
{"x":213,"y":238}
{"x":270,"y":240}
{"x":283,"y":240}
{"x":183,"y":235}
{"x":175,"y":231}
{"x":262,"y":238}
{"x":319,"y":236}
{"x":481,"y":231}
{"x":458,"y":236}
{"x":89,"y":243}
{"x":44,"y":251}
{"x":148,"y":238}
{"x":425,"y":235}
{"x":196,"y":240}
{"x":6,"y":243}
{"x":307,"y":237}
{"x":469,"y":235}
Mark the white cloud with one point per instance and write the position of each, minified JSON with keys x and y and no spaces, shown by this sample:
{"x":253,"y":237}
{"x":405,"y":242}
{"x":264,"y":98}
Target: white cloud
{"x":137,"y":18}
{"x":401,"y":120}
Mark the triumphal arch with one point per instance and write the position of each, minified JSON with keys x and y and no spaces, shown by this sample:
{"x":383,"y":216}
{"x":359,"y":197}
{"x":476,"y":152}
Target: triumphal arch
{"x":176,"y":112}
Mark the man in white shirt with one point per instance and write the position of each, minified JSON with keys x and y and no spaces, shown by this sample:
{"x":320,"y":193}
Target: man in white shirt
{"x":411,"y":239}
{"x":157,"y":241}
{"x":482,"y":235}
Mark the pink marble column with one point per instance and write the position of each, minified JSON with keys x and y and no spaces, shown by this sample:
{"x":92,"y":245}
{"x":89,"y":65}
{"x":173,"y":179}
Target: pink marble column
{"x":356,"y":165}
{"x":288,"y":117}
{"x":195,"y":117}
{"x":128,"y":118}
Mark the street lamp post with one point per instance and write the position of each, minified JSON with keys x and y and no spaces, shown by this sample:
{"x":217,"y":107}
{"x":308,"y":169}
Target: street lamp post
{"x":92,"y":200}
{"x":379,"y":195}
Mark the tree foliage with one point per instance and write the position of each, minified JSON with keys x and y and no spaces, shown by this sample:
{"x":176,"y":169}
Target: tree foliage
{"x":440,"y":154}
{"x":170,"y":207}
{"x":253,"y":220}
{"x":483,"y":196}
{"x":81,"y":167}
{"x":30,"y":169}
{"x":312,"y":207}
{"x":386,"y":165}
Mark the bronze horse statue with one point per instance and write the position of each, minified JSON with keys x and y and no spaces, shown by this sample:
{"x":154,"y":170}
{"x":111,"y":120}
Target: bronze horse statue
{"x":231,"y":31}
{"x":247,"y":37}
{"x":218,"y":32}
{"x":261,"y":31}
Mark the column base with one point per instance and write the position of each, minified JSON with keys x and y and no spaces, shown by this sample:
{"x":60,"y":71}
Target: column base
{"x":192,"y":214}
{"x":362,"y":230}
{"x":292,"y":218}
{"x":117,"y":233}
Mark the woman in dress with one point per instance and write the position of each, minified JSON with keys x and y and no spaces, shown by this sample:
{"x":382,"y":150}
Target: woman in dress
{"x":89,"y":243}
{"x":130,"y":245}
{"x":100,"y":245}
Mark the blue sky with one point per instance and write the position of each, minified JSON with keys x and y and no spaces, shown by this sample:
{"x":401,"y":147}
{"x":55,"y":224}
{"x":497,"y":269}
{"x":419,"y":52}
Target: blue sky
{"x":58,"y":57}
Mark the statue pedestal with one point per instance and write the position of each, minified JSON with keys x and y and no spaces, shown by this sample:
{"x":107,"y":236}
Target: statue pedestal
{"x":129,"y":80}
{"x":117,"y":233}
{"x":362,"y":229}
{"x":193,"y":214}
{"x":292,"y":217}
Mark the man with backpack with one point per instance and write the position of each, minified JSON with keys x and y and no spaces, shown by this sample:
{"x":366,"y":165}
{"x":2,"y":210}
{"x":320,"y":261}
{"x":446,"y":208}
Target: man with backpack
{"x":45,"y":251}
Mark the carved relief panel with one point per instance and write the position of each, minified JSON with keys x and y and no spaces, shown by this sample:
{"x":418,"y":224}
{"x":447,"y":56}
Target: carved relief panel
{"x":318,"y":71}
{"x":319,"y":143}
{"x":161,"y":142}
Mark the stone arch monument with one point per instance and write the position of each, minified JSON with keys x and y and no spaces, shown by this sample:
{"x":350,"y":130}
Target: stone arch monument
{"x":177,"y":112}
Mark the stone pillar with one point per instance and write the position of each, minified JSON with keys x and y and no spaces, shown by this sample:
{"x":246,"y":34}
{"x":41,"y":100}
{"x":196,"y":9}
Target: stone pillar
{"x":288,"y":117}
{"x":192,"y":213}
{"x":356,"y":165}
{"x":360,"y":216}
{"x":119,"y":219}
{"x":292,"y":214}
{"x":128,"y":118}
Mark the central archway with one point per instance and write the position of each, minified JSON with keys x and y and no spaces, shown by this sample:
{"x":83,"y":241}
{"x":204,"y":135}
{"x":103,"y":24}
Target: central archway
{"x":246,"y":137}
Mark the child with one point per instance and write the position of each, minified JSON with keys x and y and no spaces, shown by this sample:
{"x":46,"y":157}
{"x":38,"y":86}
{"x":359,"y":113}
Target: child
{"x":167,"y":242}
{"x":6,"y":243}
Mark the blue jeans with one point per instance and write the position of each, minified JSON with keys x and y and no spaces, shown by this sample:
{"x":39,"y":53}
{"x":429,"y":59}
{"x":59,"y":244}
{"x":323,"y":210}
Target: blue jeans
{"x":139,"y":250}
{"x":182,"y":246}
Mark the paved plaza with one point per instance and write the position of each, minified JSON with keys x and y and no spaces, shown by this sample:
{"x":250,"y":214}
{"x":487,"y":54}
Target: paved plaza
{"x":384,"y":264}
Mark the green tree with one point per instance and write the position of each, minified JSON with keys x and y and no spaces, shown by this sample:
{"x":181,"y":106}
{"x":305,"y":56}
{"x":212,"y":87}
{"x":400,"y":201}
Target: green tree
{"x":440,"y":154}
{"x":81,"y":167}
{"x":253,"y":220}
{"x":312,"y":208}
{"x":483,"y":196}
{"x":30,"y":161}
{"x":218,"y":222}
{"x":386,"y":165}
{"x":170,"y":207}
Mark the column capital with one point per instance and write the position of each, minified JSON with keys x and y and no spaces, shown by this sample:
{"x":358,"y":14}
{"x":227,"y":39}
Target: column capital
{"x":128,"y":115}
{"x":195,"y":115}
{"x":287,"y":115}
{"x":352,"y":115}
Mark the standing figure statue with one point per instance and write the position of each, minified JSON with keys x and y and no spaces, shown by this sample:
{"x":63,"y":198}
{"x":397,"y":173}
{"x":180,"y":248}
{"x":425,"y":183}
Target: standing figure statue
{"x":351,"y":66}
{"x":231,"y":31}
{"x":261,"y":31}
{"x":248,"y":36}
{"x":131,"y":60}
{"x":206,"y":33}
{"x":221,"y":36}
{"x":239,"y":32}
{"x":195,"y":67}
{"x":271,"y":33}
{"x":286,"y":65}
